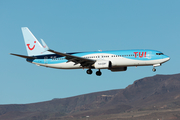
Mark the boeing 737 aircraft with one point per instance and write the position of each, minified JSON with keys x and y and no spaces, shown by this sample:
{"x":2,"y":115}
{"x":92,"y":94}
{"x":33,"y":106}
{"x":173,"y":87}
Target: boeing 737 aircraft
{"x":118,"y":60}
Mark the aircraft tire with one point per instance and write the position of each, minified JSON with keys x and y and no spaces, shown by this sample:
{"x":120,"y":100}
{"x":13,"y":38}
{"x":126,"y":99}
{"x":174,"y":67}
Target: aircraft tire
{"x":89,"y":71}
{"x":154,"y":70}
{"x":98,"y":73}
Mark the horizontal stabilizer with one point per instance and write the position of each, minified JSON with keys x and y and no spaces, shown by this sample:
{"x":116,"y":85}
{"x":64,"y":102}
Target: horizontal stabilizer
{"x":23,"y":56}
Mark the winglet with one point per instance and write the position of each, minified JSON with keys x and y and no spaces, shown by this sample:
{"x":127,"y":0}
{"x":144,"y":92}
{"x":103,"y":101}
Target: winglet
{"x":44,"y":45}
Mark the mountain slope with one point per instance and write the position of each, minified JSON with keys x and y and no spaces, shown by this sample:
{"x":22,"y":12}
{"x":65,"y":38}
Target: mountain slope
{"x":150,"y":93}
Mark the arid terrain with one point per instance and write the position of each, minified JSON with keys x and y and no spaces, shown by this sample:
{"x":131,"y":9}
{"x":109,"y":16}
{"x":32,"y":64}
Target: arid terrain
{"x":150,"y":98}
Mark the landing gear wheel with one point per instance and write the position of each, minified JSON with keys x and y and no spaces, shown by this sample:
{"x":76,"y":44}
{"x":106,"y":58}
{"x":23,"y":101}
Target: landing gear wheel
{"x":89,"y":71}
{"x":98,"y":73}
{"x":154,"y":70}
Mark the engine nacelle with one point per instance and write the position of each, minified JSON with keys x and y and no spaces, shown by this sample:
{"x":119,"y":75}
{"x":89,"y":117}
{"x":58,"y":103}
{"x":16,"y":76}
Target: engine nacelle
{"x":102,"y":64}
{"x":118,"y":69}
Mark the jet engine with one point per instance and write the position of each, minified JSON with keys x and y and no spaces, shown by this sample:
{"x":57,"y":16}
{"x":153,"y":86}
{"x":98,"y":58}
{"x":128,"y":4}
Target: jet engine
{"x":118,"y":69}
{"x":102,"y":64}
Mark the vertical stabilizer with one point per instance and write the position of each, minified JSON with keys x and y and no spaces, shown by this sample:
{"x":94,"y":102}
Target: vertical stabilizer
{"x":33,"y":46}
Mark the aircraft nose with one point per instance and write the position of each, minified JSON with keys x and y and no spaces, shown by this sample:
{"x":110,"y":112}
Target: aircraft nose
{"x":167,"y":58}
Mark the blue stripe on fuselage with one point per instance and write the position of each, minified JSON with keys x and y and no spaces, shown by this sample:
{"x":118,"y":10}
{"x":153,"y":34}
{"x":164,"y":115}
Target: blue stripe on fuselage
{"x":143,"y":55}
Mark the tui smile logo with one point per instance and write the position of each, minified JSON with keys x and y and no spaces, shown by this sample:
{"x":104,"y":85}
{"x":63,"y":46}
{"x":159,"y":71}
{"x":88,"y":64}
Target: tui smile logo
{"x":30,"y":47}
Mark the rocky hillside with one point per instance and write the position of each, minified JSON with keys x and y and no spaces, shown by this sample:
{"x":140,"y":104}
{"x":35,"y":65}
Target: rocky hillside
{"x":151,"y":93}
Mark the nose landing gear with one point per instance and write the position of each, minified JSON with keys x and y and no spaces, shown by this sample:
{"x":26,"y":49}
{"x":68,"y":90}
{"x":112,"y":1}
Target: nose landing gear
{"x":154,"y":69}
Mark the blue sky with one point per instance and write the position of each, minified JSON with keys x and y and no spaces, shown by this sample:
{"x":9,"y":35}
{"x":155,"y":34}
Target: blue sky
{"x":82,"y":25}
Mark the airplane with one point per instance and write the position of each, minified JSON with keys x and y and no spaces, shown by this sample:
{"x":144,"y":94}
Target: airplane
{"x":116,"y":60}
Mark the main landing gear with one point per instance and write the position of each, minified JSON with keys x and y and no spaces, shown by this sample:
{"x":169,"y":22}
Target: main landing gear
{"x":89,"y":71}
{"x":98,"y":73}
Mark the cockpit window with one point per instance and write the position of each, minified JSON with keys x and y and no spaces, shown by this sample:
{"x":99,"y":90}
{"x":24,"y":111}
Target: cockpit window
{"x":159,"y":54}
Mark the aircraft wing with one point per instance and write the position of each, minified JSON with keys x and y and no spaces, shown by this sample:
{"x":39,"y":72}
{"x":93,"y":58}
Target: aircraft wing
{"x":77,"y":60}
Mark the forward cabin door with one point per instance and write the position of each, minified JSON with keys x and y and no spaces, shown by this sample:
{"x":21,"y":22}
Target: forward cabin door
{"x":148,"y":55}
